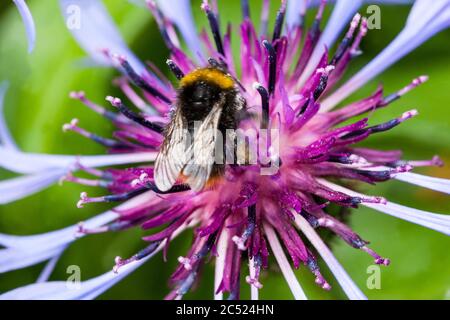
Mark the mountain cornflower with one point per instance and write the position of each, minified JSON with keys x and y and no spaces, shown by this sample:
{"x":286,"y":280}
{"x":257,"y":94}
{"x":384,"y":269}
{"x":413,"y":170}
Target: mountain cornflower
{"x":288,"y":78}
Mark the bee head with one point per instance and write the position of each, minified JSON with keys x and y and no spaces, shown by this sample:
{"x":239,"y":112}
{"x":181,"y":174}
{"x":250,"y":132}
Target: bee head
{"x":201,"y":93}
{"x":201,"y":89}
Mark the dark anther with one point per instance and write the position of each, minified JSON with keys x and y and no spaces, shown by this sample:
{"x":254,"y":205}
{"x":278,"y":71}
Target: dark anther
{"x":175,"y":69}
{"x":141,"y":190}
{"x":321,"y":86}
{"x":138,"y":81}
{"x":380,"y":176}
{"x":343,"y":46}
{"x":137,"y":118}
{"x":148,"y":250}
{"x":264,"y":105}
{"x":245,"y":9}
{"x":358,"y":243}
{"x":279,"y":22}
{"x":375,"y":129}
{"x":340,"y":159}
{"x":109,"y":143}
{"x":272,"y":65}
{"x":215,"y":29}
{"x":310,"y":218}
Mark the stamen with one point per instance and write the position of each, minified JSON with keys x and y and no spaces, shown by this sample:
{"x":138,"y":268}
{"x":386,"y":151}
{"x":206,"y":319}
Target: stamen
{"x":264,"y":104}
{"x":123,"y":84}
{"x":314,"y":267}
{"x":279,"y":21}
{"x":253,"y":279}
{"x":186,"y":285}
{"x":95,"y":172}
{"x":116,"y":102}
{"x":81,"y":230}
{"x":80,"y":95}
{"x":87,"y":182}
{"x":128,"y":195}
{"x":84,"y":199}
{"x":214,"y":25}
{"x":119,"y":262}
{"x":245,"y":9}
{"x":175,"y":69}
{"x":378,"y":200}
{"x":319,"y":15}
{"x":383,"y":175}
{"x":395,"y":96}
{"x":436,"y":161}
{"x":142,"y":180}
{"x":349,"y":236}
{"x":384,"y":126}
{"x":378,"y":258}
{"x":109,"y":143}
{"x":272,"y":55}
{"x":114,"y":226}
{"x":254,"y":282}
{"x":323,"y":81}
{"x":251,"y":224}
{"x":186,"y":262}
{"x":139,"y":81}
{"x":347,"y":159}
{"x":354,"y":50}
{"x":160,"y":21}
{"x":315,"y":28}
{"x":343,"y":46}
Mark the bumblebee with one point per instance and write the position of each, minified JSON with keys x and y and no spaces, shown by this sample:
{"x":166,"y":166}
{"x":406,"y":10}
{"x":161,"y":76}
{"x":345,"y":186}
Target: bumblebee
{"x":208,"y":103}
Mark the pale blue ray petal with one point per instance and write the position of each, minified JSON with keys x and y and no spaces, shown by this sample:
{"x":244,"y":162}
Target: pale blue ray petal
{"x":24,"y":251}
{"x":13,"y":259}
{"x":28,"y":21}
{"x":6,"y":139}
{"x":21,"y":187}
{"x":27,"y":163}
{"x":94,"y":29}
{"x":50,"y":266}
{"x":62,"y":290}
{"x":426,"y":19}
{"x":90,"y":289}
{"x":340,"y":18}
{"x":437,"y":184}
{"x":348,"y":286}
{"x":180,"y":13}
{"x":56,"y":238}
{"x":294,"y":10}
{"x":434,"y":221}
{"x":295,"y":7}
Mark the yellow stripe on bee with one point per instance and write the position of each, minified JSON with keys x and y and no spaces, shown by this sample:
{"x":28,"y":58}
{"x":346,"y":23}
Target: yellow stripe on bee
{"x":210,"y":75}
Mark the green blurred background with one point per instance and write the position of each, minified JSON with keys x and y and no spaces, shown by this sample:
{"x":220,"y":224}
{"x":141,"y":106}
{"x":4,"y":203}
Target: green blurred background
{"x":37,"y":105}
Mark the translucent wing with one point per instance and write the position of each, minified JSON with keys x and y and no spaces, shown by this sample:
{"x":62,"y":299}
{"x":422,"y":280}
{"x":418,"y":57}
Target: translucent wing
{"x":174,"y":152}
{"x":198,"y":168}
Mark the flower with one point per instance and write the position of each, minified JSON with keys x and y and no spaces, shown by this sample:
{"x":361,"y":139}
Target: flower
{"x":246,"y":214}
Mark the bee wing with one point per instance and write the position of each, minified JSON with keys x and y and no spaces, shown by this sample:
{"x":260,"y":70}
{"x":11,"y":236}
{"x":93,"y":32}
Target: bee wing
{"x":172,"y":156}
{"x":198,"y":168}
